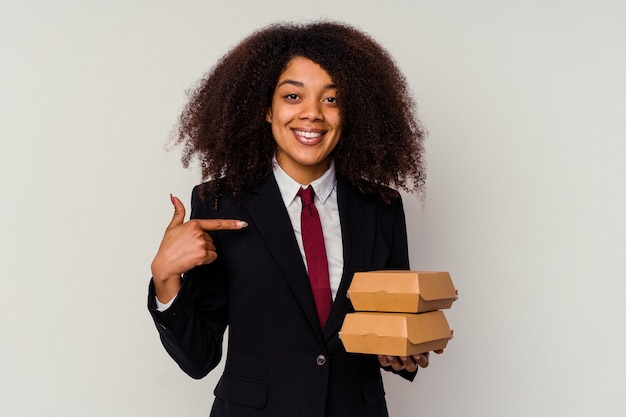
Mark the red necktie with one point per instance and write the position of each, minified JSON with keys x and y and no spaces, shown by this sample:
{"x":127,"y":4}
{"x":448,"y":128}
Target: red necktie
{"x":315,"y":253}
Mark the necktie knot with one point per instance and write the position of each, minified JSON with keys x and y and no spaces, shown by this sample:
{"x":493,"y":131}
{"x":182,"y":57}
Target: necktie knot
{"x":306,"y":195}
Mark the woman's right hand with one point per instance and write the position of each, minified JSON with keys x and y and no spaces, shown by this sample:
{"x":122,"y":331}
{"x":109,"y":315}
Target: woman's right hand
{"x":185,"y":245}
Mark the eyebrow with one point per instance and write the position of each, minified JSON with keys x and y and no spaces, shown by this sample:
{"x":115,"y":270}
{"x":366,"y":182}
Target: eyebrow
{"x":301,"y":84}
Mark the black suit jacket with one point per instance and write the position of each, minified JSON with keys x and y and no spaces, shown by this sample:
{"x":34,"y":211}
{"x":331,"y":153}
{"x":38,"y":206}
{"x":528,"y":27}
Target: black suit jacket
{"x":279,"y":362}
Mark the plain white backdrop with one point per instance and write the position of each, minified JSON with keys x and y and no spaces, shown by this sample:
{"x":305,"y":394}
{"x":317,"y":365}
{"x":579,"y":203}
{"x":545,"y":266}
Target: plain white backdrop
{"x":525,"y":104}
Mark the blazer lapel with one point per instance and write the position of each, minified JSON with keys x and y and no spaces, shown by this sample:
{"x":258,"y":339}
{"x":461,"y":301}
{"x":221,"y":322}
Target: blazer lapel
{"x":265,"y":207}
{"x":358,"y":222}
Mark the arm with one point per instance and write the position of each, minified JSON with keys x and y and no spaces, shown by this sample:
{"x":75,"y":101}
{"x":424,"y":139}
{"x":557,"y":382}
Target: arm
{"x":187,"y":266}
{"x":192,"y":329}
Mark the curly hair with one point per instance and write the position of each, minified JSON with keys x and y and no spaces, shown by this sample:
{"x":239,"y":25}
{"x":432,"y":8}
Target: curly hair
{"x":224,"y":126}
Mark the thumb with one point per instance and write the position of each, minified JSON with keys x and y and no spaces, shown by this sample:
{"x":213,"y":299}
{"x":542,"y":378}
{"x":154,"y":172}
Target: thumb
{"x":179,"y":213}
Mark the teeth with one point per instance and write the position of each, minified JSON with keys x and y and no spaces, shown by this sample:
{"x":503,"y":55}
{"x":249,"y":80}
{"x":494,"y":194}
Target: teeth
{"x":308,"y":135}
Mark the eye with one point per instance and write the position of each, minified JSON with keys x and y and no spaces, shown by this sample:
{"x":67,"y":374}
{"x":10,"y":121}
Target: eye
{"x":331,"y":100}
{"x":292,"y":97}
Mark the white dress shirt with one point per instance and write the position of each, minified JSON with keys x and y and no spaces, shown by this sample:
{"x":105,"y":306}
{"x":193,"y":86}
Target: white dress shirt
{"x":325,"y":189}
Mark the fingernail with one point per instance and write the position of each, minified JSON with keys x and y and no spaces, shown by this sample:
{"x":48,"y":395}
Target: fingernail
{"x":241,"y":224}
{"x":172,"y":199}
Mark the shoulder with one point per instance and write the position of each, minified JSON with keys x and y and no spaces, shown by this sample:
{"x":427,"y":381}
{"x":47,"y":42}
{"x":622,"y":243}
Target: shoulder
{"x":203,"y":196}
{"x":369,"y":191}
{"x":217,"y":198}
{"x":209,"y":199}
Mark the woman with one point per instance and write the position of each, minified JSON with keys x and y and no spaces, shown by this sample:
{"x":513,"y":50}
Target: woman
{"x":292,"y":108}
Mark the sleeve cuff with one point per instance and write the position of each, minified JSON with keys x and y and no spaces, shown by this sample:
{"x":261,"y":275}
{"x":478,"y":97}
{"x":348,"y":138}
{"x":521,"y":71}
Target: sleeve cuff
{"x":161,"y":307}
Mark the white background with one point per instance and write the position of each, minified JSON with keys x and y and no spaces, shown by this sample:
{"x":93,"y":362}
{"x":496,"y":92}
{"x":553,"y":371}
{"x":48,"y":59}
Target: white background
{"x":525,"y":103}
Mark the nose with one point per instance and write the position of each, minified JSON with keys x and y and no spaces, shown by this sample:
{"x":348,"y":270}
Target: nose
{"x":311,"y":110}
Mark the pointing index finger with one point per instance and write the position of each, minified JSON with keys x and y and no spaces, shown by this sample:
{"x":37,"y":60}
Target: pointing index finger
{"x":209,"y":225}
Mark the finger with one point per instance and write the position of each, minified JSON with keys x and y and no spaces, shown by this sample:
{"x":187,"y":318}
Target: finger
{"x":408,"y":363}
{"x":207,"y":237}
{"x":211,"y":255}
{"x":209,"y":225}
{"x":395,"y":363}
{"x":209,"y":245}
{"x":383,"y":361}
{"x":438,"y":351}
{"x":179,"y":213}
{"x":421,"y":359}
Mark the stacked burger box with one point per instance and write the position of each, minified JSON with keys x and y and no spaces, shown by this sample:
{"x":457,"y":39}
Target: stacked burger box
{"x":398,"y":313}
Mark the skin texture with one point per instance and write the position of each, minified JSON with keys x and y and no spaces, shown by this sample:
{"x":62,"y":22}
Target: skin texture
{"x":409,"y":363}
{"x":305,"y":119}
{"x":185,"y":245}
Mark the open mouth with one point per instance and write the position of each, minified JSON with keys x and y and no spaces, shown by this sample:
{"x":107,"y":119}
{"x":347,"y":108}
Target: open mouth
{"x":308,"y":137}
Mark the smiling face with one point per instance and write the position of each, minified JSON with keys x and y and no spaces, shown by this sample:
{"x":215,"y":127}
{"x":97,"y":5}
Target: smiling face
{"x":305,"y":119}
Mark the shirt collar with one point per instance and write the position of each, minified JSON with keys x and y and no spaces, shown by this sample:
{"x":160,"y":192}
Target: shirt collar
{"x":323,"y":186}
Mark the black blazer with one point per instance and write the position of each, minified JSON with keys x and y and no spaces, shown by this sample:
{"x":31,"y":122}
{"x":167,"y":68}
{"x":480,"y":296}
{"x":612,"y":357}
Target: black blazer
{"x":279,"y":362}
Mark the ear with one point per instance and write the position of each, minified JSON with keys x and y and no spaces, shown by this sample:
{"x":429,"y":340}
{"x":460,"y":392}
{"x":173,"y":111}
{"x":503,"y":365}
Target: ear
{"x":268,"y":115}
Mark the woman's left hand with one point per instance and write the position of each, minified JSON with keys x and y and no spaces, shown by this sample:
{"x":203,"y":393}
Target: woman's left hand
{"x":408,"y":363}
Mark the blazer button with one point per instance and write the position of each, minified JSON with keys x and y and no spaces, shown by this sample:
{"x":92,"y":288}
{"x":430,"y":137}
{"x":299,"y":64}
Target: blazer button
{"x":320,"y":360}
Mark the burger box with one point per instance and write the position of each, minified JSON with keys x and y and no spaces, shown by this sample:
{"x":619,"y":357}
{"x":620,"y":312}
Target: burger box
{"x":401,"y":291}
{"x":394,"y":334}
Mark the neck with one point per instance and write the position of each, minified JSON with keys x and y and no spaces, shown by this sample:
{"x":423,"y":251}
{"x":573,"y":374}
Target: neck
{"x":304,"y":175}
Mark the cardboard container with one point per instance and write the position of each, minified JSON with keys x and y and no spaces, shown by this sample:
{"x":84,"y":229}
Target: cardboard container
{"x":401,"y":291}
{"x":397,"y":334}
